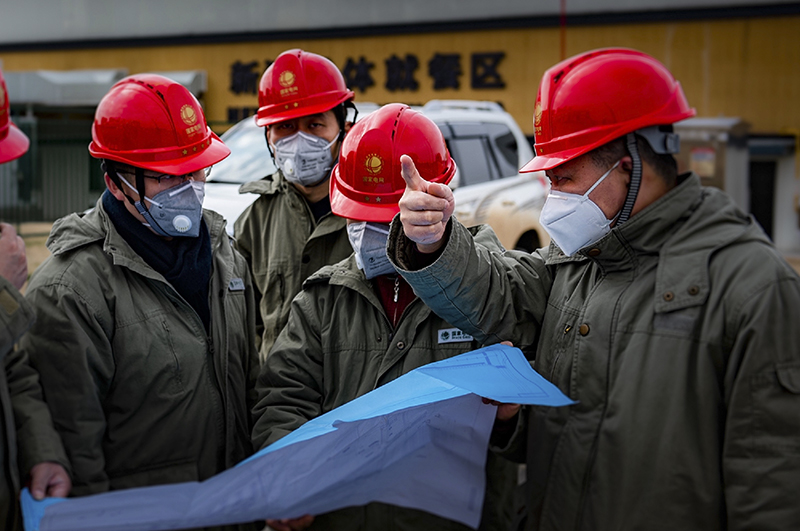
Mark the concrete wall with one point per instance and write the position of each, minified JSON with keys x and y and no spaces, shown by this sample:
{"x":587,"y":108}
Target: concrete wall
{"x":36,"y":21}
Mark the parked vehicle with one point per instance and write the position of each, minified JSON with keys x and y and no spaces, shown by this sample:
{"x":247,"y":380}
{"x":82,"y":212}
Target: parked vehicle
{"x":489,"y":147}
{"x":485,"y":141}
{"x":249,"y":161}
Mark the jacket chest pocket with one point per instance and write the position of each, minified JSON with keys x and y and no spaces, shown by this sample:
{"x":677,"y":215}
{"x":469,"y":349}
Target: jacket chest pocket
{"x":560,"y":328}
{"x":159,"y":358}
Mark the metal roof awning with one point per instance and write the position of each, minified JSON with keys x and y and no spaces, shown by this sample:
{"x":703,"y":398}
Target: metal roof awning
{"x":194,"y":80}
{"x":722,"y":129}
{"x":69,"y":88}
{"x":63,"y":88}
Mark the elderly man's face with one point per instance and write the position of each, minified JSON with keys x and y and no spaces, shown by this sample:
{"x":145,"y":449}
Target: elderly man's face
{"x":578,"y":175}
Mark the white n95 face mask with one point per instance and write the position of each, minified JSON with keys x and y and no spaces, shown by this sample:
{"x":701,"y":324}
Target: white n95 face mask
{"x":575,"y":221}
{"x":369,"y":244}
{"x":304,"y":159}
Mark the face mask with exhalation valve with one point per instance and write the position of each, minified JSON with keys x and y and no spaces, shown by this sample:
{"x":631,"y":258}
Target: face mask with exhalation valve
{"x":369,"y":244}
{"x":304,"y":159}
{"x":575,"y":221}
{"x":176,"y":211}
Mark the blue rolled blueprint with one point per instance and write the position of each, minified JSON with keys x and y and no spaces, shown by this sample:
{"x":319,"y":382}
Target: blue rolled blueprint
{"x":419,"y":441}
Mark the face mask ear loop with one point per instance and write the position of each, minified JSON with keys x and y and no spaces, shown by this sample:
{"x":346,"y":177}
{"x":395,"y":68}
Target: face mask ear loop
{"x":601,"y":179}
{"x":636,"y":179}
{"x":141,"y":207}
{"x":271,"y":153}
{"x":140,"y":189}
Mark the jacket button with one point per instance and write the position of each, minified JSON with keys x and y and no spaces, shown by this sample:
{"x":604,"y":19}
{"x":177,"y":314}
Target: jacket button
{"x":594,"y":252}
{"x":306,"y":259}
{"x":400,"y":345}
{"x":668,"y":296}
{"x":583,"y":329}
{"x":694,"y":290}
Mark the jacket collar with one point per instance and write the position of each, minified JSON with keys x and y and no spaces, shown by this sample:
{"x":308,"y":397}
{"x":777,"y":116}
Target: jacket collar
{"x":645,"y":232}
{"x":347,"y":274}
{"x":684,"y":228}
{"x":269,"y":185}
{"x":77,"y":230}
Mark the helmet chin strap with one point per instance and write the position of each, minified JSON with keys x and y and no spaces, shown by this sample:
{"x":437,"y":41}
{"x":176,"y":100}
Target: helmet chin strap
{"x":636,"y":179}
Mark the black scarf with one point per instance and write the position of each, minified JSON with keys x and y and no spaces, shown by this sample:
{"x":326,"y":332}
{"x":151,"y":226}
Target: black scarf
{"x":184,"y":262}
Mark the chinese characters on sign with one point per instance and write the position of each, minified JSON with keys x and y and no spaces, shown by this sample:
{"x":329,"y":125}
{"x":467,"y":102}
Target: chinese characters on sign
{"x":244,"y":80}
{"x":356,"y":75}
{"x":444,"y":71}
{"x":400,"y":73}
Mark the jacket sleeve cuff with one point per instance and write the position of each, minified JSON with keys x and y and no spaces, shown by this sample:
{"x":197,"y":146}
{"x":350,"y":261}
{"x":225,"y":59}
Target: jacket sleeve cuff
{"x":509,"y":439}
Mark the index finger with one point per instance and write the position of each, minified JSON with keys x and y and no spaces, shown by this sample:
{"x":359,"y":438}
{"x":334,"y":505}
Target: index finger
{"x":411,"y":176}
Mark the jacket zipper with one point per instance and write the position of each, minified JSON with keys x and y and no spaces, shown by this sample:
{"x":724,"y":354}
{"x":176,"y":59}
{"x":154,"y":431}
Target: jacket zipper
{"x":396,"y":296}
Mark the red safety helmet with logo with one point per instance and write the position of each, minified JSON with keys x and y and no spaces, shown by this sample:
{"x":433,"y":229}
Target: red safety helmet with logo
{"x":13,"y":142}
{"x":298,"y":84}
{"x":152,"y":122}
{"x":367,"y":184}
{"x":591,"y":99}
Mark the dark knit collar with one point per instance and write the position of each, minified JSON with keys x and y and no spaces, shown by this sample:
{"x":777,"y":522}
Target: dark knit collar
{"x":184,"y":262}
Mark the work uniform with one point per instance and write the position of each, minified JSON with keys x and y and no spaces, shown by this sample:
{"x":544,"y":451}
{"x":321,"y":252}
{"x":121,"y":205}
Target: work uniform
{"x":339,"y":344}
{"x":25,"y":417}
{"x":140,"y":392}
{"x":676,"y":334}
{"x":284,"y":245}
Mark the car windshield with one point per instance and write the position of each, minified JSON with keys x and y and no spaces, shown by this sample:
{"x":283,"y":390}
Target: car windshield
{"x":249,"y":159}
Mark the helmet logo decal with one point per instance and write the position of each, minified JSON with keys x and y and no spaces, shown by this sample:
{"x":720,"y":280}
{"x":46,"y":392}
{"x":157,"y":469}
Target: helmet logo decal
{"x":286,"y":80}
{"x":537,"y":118}
{"x":189,"y":117}
{"x":374,"y":166}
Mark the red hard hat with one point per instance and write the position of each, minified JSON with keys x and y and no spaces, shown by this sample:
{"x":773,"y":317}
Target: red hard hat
{"x":152,"y":122}
{"x":298,"y":84}
{"x":367,"y":184}
{"x":591,"y":99}
{"x":13,"y":142}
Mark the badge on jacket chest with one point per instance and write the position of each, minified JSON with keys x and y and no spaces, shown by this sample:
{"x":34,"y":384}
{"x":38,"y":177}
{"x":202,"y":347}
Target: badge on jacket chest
{"x":453,"y":335}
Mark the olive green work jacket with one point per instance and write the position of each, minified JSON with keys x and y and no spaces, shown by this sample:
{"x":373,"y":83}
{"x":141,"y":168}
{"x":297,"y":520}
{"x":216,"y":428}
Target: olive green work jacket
{"x":140,"y":394}
{"x":27,"y":436}
{"x":283,"y":246}
{"x":338,"y":345}
{"x":677,"y":334}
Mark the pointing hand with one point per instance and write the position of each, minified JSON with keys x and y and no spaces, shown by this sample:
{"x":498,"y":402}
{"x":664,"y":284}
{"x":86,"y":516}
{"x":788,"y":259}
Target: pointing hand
{"x":425,"y":208}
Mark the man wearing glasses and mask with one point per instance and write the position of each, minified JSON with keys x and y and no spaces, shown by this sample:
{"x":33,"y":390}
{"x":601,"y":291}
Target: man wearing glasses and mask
{"x":289,"y":232}
{"x":145,"y":331}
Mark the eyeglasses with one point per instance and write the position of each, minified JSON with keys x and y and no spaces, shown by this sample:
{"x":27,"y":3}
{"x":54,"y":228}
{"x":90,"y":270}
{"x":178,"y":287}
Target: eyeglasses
{"x":165,"y":176}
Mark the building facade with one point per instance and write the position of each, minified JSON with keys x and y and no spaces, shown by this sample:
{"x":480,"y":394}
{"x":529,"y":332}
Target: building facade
{"x":735,"y":59}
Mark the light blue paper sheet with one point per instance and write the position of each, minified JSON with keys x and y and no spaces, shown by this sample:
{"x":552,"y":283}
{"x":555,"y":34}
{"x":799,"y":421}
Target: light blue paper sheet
{"x":419,"y":441}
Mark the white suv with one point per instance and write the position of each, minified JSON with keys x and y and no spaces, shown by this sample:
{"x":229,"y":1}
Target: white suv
{"x":489,"y":147}
{"x":485,"y":141}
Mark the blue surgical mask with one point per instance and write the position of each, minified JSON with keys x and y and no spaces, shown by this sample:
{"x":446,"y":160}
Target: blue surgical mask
{"x":176,"y":211}
{"x":575,"y":221}
{"x":304,"y":159}
{"x":369,"y":244}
